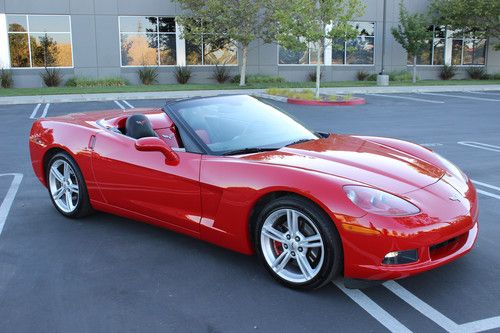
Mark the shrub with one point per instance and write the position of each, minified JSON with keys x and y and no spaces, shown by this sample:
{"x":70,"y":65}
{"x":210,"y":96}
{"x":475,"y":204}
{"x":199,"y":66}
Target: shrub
{"x":495,"y":76}
{"x":52,"y":77}
{"x":447,"y":72}
{"x":71,"y":82}
{"x":236,"y":78}
{"x":312,"y":76}
{"x":6,"y":80}
{"x":372,"y":77}
{"x":265,"y":79}
{"x":275,"y":91}
{"x":306,"y":94}
{"x":148,"y":75}
{"x":363,"y":76}
{"x":347,"y":97}
{"x":182,"y":74}
{"x":477,"y":73}
{"x":85,"y":82}
{"x":221,"y":74}
{"x":259,"y":79}
{"x":400,"y":76}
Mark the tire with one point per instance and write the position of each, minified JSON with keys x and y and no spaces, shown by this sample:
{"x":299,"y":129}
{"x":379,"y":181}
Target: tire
{"x":74,"y":201}
{"x":324,"y":256}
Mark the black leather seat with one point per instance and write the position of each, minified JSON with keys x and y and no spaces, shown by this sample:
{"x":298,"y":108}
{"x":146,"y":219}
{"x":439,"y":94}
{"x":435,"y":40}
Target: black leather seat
{"x":138,"y":126}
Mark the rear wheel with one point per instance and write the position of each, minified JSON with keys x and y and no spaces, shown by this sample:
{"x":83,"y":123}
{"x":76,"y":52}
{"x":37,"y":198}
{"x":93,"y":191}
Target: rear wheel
{"x":66,"y":186}
{"x":298,"y":243}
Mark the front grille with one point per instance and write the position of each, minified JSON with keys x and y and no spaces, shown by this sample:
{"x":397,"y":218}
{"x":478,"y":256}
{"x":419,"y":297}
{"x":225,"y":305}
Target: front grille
{"x":443,"y":244}
{"x":448,"y":247}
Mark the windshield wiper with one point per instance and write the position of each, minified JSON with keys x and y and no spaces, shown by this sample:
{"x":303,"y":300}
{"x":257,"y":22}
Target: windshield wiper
{"x":248,"y":151}
{"x":298,"y":141}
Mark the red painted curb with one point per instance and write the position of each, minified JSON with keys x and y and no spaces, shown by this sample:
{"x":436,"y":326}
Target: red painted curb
{"x":354,"y":101}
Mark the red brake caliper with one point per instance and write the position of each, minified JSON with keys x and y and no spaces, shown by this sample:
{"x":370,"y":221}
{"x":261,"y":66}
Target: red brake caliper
{"x":278,"y":247}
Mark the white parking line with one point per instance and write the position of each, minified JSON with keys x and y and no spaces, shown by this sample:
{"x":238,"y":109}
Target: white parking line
{"x":44,"y":112}
{"x":489,"y":194}
{"x":35,"y":110}
{"x":128,"y":104}
{"x":480,"y":145}
{"x":409,"y":98}
{"x":437,"y":317}
{"x":421,"y":306}
{"x":484,"y":93}
{"x":382,"y":316}
{"x":9,"y":198}
{"x":45,"y":109}
{"x":463,"y":97}
{"x":486,"y":185}
{"x":120,"y":105}
{"x":481,"y":325}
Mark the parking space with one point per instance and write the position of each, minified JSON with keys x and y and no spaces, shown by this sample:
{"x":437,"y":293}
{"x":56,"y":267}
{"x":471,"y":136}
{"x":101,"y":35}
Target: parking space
{"x":442,"y":98}
{"x":58,"y":109}
{"x":407,"y":97}
{"x":466,"y":96}
{"x":147,"y":103}
{"x":113,"y":274}
{"x":10,"y":191}
{"x":490,"y":93}
{"x":36,"y":111}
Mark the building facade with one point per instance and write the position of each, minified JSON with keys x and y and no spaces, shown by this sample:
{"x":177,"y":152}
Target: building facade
{"x":109,"y":38}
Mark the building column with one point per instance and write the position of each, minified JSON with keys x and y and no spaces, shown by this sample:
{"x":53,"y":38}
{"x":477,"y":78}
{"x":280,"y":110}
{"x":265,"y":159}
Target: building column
{"x":448,"y":47}
{"x":180,"y":52}
{"x":4,"y":43}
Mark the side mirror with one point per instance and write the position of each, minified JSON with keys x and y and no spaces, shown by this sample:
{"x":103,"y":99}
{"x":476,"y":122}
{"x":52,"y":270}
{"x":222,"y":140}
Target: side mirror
{"x":156,"y":144}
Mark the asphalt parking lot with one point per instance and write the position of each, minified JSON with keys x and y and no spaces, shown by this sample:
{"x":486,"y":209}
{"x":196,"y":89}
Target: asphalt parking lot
{"x":109,"y":274}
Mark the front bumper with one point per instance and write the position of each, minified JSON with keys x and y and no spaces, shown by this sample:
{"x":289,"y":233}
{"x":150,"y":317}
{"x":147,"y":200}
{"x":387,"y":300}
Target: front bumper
{"x":428,"y":259}
{"x":445,"y":232}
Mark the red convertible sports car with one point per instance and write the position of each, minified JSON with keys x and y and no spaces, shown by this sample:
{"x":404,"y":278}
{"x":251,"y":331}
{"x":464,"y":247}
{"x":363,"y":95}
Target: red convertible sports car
{"x":237,"y":172}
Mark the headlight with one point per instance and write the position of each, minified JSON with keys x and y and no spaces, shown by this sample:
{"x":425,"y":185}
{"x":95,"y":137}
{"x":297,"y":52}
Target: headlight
{"x":451,"y":168}
{"x":379,"y":202}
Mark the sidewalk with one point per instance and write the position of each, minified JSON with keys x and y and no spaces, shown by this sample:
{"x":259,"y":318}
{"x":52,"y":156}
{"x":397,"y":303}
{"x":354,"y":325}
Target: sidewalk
{"x":196,"y":93}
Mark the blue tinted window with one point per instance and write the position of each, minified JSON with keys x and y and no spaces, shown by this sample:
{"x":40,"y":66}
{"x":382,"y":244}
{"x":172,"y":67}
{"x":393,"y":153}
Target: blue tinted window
{"x":237,"y":122}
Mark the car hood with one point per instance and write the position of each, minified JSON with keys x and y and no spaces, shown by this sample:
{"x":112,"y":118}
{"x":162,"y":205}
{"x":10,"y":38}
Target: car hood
{"x":358,"y":160}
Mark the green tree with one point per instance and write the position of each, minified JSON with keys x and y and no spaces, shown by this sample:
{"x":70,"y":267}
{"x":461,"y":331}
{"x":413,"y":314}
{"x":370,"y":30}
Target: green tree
{"x":303,"y":25}
{"x":19,"y":50}
{"x":480,"y":17}
{"x":44,"y":51}
{"x":18,"y":44}
{"x":413,"y":34}
{"x":237,"y":22}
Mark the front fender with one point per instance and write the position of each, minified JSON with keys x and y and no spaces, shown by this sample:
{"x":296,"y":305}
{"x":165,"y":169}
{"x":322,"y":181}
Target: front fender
{"x":230,"y":188}
{"x":47,"y":135}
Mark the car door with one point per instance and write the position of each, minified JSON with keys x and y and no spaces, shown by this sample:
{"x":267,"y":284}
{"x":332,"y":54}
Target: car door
{"x":141,"y":182}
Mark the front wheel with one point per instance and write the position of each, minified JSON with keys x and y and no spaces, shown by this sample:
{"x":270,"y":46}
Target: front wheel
{"x":67,"y":187}
{"x":298,"y":243}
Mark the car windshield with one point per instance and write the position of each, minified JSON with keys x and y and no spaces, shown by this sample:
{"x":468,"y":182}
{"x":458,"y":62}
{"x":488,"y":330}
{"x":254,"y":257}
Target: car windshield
{"x":230,"y":125}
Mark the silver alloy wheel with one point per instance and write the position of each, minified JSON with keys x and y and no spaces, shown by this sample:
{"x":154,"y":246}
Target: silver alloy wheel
{"x":63,"y":186}
{"x":292,"y":245}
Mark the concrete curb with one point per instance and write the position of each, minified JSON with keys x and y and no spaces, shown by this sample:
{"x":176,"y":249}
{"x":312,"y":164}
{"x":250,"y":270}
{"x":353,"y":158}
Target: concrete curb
{"x":406,"y":89}
{"x":196,"y":93}
{"x":70,"y":98}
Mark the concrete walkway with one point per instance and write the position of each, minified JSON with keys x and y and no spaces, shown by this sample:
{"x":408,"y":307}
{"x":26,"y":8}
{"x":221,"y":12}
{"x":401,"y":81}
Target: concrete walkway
{"x":193,"y":93}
